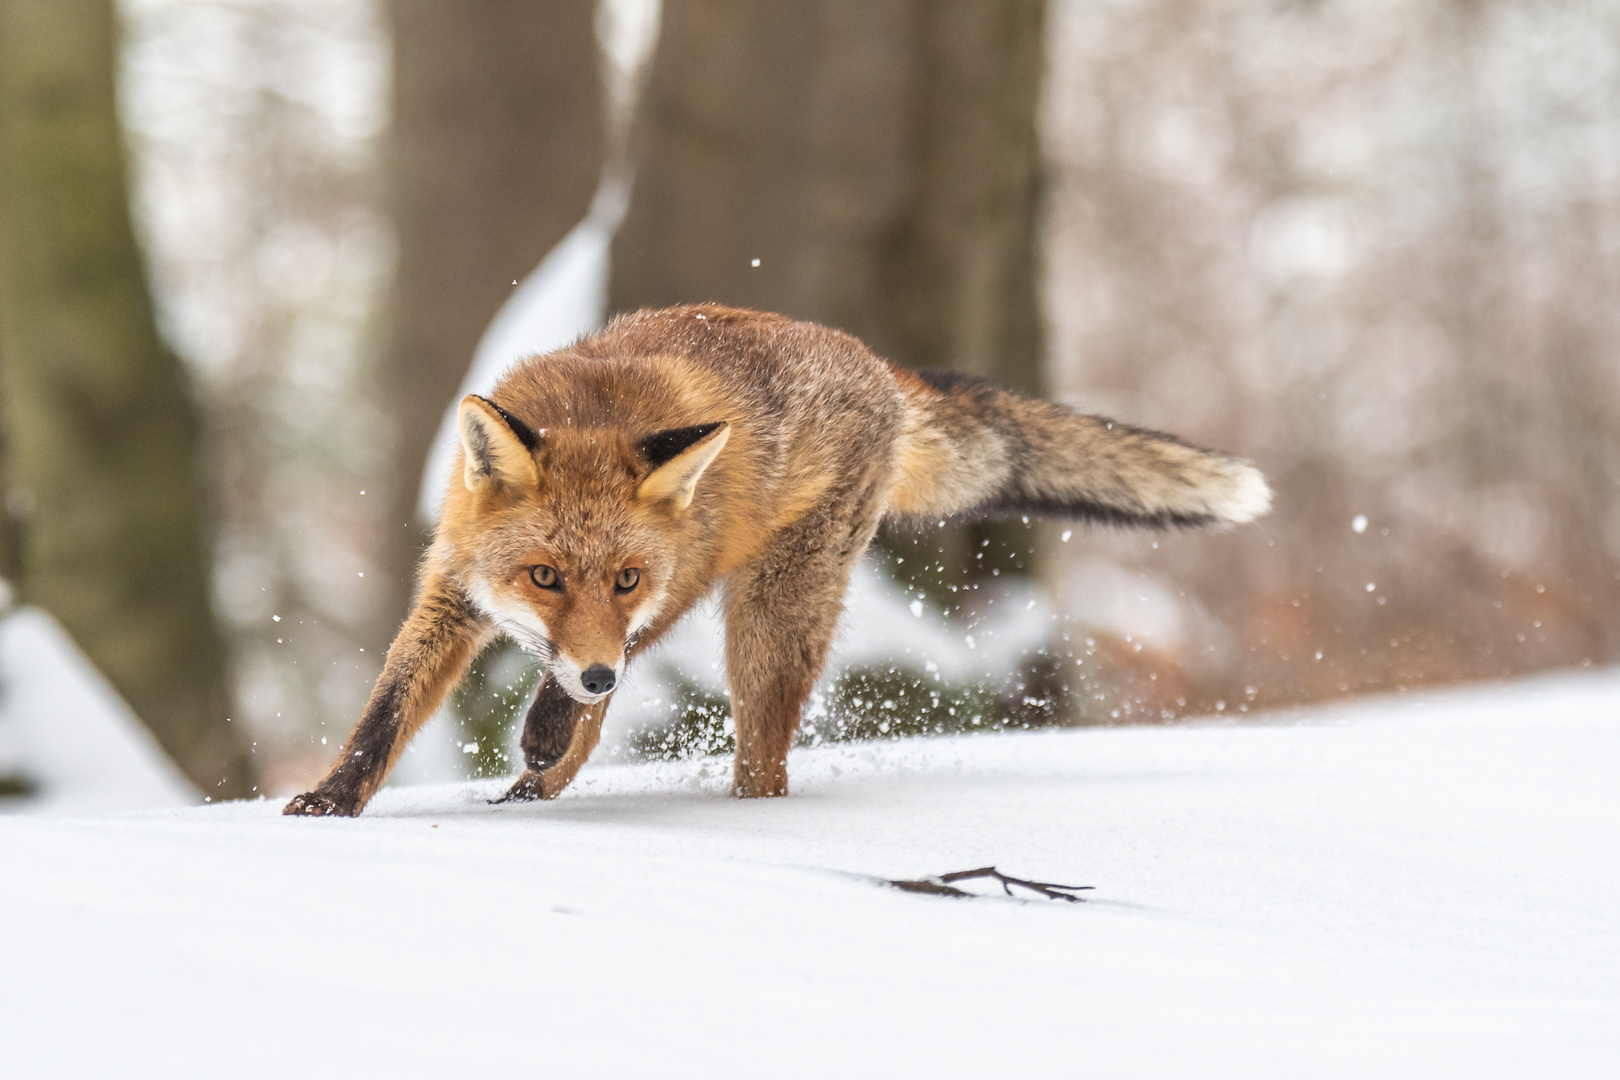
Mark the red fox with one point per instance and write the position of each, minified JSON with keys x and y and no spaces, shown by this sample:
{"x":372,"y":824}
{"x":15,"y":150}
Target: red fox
{"x":607,"y":487}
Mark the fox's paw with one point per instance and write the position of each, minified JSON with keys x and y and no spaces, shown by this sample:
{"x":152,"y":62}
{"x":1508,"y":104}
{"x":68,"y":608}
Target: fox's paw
{"x":310,"y":804}
{"x":529,"y":786}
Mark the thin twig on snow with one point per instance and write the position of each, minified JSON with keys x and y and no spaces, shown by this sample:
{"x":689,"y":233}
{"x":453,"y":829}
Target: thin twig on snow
{"x":940,"y":885}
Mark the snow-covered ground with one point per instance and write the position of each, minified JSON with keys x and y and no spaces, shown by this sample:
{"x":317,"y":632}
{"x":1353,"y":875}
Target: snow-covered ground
{"x":1421,"y":887}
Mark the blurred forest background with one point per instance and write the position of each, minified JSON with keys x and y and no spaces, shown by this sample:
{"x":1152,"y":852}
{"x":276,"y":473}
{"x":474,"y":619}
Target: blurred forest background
{"x":248,"y":247}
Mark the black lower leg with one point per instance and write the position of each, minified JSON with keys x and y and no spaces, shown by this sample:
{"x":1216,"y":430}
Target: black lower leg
{"x":549,"y":726}
{"x":547,"y":730}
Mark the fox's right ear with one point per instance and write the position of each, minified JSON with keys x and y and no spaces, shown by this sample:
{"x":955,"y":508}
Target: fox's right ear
{"x":498,"y":447}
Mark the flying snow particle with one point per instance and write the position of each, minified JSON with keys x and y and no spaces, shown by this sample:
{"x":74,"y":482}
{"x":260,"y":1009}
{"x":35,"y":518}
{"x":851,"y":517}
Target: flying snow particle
{"x":469,"y":748}
{"x":1371,"y":587}
{"x":1359,"y":524}
{"x":1066,"y":534}
{"x":754,"y":262}
{"x":916,"y":608}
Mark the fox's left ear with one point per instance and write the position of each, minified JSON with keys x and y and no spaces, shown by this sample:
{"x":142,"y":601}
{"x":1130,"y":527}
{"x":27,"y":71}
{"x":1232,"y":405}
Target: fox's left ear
{"x":678,"y":457}
{"x":497,"y":446}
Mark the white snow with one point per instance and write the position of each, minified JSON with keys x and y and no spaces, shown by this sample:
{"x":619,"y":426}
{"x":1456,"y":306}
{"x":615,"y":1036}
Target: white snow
{"x":1131,"y":604}
{"x":1421,"y":886}
{"x":65,"y":728}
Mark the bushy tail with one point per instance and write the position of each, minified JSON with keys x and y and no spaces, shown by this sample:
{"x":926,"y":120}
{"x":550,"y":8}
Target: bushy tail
{"x":972,"y":449}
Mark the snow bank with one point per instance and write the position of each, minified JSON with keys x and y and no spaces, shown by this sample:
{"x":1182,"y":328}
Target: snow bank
{"x":1411,"y":887}
{"x":66,"y":729}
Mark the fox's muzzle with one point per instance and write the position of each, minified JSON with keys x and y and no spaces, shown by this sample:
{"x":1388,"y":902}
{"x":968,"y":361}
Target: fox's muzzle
{"x":598,"y":679}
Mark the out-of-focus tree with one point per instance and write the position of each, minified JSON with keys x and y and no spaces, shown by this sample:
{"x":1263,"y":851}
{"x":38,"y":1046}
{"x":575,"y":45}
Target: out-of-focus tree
{"x":497,"y":145}
{"x":256,"y":133}
{"x":10,"y":557}
{"x":868,"y":164}
{"x":102,"y":440}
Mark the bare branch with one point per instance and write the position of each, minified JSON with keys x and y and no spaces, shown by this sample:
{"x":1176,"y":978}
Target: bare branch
{"x":941,"y":885}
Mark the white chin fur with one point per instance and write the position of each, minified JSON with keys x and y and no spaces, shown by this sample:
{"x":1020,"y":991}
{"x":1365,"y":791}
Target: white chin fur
{"x":1249,"y":498}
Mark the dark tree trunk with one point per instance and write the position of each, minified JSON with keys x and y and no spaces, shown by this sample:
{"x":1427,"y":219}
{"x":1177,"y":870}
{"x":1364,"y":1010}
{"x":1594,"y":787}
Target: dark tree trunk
{"x":498,"y":144}
{"x":101,"y":435}
{"x":877,"y":157}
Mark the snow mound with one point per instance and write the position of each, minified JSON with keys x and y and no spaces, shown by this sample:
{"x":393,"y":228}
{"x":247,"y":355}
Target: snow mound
{"x":67,"y":731}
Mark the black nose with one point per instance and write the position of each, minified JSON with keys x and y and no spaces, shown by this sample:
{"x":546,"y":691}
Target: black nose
{"x":598,"y":679}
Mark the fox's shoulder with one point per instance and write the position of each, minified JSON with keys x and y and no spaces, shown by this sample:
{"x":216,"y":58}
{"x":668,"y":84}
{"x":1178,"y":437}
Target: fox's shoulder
{"x":734,"y":337}
{"x":691,"y":323}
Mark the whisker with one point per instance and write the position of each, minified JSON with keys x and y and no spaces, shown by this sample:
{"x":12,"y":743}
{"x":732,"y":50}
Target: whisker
{"x":528,"y":641}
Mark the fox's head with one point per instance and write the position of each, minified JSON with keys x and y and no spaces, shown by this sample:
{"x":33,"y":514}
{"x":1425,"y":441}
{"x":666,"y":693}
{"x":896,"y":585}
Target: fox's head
{"x":568,"y":538}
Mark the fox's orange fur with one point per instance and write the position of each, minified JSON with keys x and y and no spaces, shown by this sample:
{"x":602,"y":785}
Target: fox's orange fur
{"x":607,"y":487}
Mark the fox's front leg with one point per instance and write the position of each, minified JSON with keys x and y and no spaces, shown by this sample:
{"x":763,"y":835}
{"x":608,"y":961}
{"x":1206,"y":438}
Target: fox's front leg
{"x":548,"y":733}
{"x":544,"y":778}
{"x":429,"y":655}
{"x":549,"y":726}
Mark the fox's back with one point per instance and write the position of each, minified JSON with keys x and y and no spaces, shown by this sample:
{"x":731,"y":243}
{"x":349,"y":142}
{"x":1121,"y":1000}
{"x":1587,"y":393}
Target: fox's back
{"x":807,"y":404}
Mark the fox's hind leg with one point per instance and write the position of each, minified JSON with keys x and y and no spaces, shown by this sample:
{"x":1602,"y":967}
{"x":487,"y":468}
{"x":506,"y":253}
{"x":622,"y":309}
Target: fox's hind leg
{"x":781,"y":612}
{"x":548,"y":729}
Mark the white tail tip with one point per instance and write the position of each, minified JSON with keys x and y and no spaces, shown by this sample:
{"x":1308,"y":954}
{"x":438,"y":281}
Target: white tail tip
{"x":1248,"y":497}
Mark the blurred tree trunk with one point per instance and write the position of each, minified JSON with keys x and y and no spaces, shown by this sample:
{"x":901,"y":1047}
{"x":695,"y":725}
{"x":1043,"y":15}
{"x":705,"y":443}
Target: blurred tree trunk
{"x":101,"y":436}
{"x":877,"y":157}
{"x":10,"y":555}
{"x":498,"y":143}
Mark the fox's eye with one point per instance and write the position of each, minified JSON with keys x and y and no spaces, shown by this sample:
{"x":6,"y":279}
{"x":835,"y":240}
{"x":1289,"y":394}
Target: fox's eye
{"x":545,"y":577}
{"x":628,"y":579}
